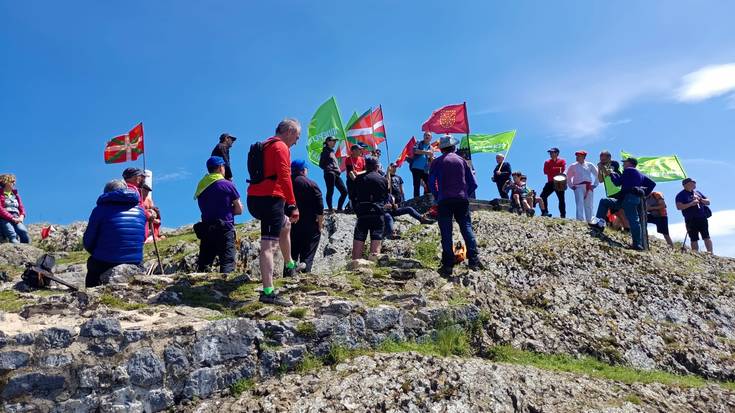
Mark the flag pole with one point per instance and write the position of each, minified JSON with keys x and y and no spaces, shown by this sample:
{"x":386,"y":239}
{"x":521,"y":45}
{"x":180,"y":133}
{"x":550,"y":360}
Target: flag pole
{"x":467,"y":135}
{"x":387,"y":151}
{"x":506,"y":152}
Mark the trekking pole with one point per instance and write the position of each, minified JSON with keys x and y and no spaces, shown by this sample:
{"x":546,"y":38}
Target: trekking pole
{"x":644,"y":224}
{"x":155,"y":247}
{"x":684,"y":243}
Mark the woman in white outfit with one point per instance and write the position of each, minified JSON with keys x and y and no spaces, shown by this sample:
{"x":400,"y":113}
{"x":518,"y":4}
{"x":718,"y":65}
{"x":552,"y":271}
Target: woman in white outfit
{"x":582,"y":179}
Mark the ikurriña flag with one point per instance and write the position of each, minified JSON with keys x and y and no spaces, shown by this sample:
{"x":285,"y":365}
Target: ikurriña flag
{"x":363,"y":130}
{"x":448,"y":119}
{"x":126,"y":147}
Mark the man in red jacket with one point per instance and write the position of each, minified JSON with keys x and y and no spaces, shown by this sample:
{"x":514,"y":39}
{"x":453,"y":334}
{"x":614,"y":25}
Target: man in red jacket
{"x":552,"y":167}
{"x":268,"y":201}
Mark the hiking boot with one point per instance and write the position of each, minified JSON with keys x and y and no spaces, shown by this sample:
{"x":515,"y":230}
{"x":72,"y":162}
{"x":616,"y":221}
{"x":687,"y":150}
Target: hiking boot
{"x":445,"y":271}
{"x":427,"y":221}
{"x":636,"y":248}
{"x":275,"y":299}
{"x":290,"y":272}
{"x":476,"y":266}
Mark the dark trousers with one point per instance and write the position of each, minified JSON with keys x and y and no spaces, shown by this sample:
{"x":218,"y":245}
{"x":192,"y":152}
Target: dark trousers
{"x":333,"y":180}
{"x":503,"y":193}
{"x":95,"y":269}
{"x":351,"y":193}
{"x":548,"y":189}
{"x":304,"y":243}
{"x":217,"y":243}
{"x":459,"y":210}
{"x":397,"y":213}
{"x":418,"y":176}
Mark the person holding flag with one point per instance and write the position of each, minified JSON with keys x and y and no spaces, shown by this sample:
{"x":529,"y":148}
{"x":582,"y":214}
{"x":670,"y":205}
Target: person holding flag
{"x":501,"y":175}
{"x":422,"y":156}
{"x":330,"y":165}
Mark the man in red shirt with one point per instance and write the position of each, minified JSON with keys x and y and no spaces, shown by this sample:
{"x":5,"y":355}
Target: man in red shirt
{"x":272,"y":201}
{"x":552,"y":167}
{"x":354,"y":165}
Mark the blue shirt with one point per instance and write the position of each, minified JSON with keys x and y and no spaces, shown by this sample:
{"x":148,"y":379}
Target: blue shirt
{"x":693,"y":212}
{"x":216,"y":202}
{"x":451,"y":178}
{"x":420,"y":161}
{"x":630,"y":179}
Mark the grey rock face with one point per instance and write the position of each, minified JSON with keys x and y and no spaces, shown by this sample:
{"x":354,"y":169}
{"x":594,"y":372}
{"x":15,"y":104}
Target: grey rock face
{"x":11,"y":360}
{"x":101,"y":327}
{"x":55,"y":338}
{"x":121,"y":274}
{"x":19,"y":255}
{"x":33,"y":383}
{"x":158,"y":400}
{"x":225,"y":340}
{"x":56,"y":360}
{"x":381,"y":318}
{"x":145,"y":369}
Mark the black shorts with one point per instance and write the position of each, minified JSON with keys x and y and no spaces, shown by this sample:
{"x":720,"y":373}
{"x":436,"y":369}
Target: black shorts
{"x":696,"y":226}
{"x":269,"y":210}
{"x":662,"y":224}
{"x":372,"y":224}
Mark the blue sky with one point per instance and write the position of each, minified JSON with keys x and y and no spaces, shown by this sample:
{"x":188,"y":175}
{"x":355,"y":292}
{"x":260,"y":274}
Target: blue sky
{"x":651,"y":78}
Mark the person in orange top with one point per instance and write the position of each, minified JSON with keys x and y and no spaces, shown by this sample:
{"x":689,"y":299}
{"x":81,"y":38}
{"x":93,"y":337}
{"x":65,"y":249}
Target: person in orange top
{"x":656,"y":214}
{"x":272,"y":201}
{"x":552,"y":167}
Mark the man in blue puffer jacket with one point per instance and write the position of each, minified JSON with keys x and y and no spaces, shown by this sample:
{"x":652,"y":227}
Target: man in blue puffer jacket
{"x":115,"y":232}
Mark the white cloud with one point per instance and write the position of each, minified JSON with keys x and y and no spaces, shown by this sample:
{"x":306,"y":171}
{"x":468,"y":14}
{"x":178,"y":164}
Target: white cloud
{"x":721,"y":230}
{"x":172,"y":176}
{"x":707,"y":82}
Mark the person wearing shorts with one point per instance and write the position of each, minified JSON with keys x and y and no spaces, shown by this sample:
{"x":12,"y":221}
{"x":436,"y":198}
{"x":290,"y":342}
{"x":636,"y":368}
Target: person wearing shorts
{"x":656,"y":214}
{"x":695,"y":208}
{"x":372,"y":191}
{"x":272,"y":201}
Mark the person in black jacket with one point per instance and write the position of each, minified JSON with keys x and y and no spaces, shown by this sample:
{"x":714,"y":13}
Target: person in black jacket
{"x":306,"y":233}
{"x":370,"y":195}
{"x":223,"y":151}
{"x":501,"y":175}
{"x":329,"y":163}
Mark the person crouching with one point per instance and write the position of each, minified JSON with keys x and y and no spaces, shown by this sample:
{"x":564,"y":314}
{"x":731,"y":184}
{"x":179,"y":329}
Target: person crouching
{"x":371,"y":191}
{"x":115,"y":231}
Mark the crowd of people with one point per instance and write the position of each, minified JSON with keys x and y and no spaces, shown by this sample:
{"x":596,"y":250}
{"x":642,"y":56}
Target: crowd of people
{"x":290,"y":205}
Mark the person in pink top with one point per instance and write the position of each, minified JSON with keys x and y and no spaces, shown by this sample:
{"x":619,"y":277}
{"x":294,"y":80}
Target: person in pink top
{"x":552,"y":167}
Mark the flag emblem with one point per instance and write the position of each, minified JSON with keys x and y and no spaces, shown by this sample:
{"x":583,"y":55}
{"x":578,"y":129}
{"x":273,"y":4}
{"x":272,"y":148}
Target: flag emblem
{"x":447,"y":118}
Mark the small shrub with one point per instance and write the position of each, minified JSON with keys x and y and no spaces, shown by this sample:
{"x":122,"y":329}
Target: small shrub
{"x":117,"y":302}
{"x":306,"y":329}
{"x":309,"y":363}
{"x":241,"y":386}
{"x":298,"y":312}
{"x":633,"y":399}
{"x":452,"y":341}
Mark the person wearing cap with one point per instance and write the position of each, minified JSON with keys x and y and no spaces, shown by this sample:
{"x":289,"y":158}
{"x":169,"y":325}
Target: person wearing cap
{"x":134,"y":179}
{"x":694,"y":206}
{"x":330,"y":165}
{"x":422,"y":155}
{"x":606,"y":167}
{"x":12,"y":212}
{"x":115,"y":231}
{"x":219,"y":201}
{"x":306,"y":233}
{"x":631,"y":182}
{"x":152,"y":212}
{"x":371,"y":191}
{"x":222,"y":149}
{"x":355,"y":166}
{"x":272,"y":201}
{"x":452,"y":181}
{"x":501,"y":175}
{"x":552,"y":167}
{"x":582,"y":179}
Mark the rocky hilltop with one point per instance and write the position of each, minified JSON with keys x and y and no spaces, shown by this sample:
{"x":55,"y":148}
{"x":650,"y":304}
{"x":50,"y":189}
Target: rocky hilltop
{"x":561,"y":319}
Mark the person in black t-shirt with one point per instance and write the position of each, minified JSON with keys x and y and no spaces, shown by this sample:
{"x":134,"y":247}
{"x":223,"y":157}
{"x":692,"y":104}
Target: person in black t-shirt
{"x":306,"y":233}
{"x":223,"y":151}
{"x":371,"y":191}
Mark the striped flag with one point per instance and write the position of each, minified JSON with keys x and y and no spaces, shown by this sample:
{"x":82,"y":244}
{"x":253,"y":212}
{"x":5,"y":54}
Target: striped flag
{"x":362,"y":130}
{"x":126,"y":147}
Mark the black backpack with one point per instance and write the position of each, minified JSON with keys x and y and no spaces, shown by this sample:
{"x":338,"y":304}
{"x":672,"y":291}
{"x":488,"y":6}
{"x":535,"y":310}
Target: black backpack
{"x":256,"y":164}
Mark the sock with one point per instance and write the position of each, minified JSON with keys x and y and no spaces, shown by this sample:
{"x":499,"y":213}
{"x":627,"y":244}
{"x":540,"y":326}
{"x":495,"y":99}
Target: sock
{"x":267,"y":290}
{"x":291,"y":265}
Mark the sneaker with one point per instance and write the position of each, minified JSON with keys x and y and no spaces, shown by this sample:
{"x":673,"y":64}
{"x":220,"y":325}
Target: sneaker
{"x":598,"y":224}
{"x":445,"y":271}
{"x":546,"y":214}
{"x":290,"y":272}
{"x":275,"y":299}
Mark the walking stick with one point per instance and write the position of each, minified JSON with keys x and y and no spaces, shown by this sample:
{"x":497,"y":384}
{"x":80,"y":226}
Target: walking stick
{"x":644,"y":223}
{"x":684,"y":243}
{"x":155,"y":246}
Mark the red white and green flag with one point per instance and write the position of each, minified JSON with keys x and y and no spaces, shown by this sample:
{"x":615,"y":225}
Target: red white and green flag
{"x":362,"y":130}
{"x":126,"y":147}
{"x":378,"y":126}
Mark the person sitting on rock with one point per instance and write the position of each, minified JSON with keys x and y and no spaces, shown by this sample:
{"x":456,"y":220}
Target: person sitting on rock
{"x":12,"y":212}
{"x":452,"y":181}
{"x":394,"y":204}
{"x":371,"y":191}
{"x":115,"y":231}
{"x":524,"y":199}
{"x":306,"y":233}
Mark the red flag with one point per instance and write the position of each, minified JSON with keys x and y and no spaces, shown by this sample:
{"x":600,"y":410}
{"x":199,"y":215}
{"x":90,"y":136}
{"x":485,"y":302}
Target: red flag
{"x":45,"y":232}
{"x":448,"y":119}
{"x":407,"y":152}
{"x":363,"y":131}
{"x":127,"y":147}
{"x":341,"y":158}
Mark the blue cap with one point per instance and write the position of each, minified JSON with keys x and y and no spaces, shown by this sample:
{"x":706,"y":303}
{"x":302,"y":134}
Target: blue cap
{"x":298,"y":165}
{"x":215,"y":161}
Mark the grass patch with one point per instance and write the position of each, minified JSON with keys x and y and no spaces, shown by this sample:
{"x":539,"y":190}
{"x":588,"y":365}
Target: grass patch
{"x":447,"y":341}
{"x":248,"y":309}
{"x":298,"y":313}
{"x":117,"y":302}
{"x":275,"y":317}
{"x":241,"y":386}
{"x":355,"y":281}
{"x":632,"y":398}
{"x":73,"y":257}
{"x":309,"y":363}
{"x":596,"y":368}
{"x":306,"y":329}
{"x":427,"y":252}
{"x":47,"y":293}
{"x":11,"y":302}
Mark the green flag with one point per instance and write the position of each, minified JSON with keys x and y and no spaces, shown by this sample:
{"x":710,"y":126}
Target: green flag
{"x":352,"y":120}
{"x":499,"y":142}
{"x":659,"y":168}
{"x":325,"y":122}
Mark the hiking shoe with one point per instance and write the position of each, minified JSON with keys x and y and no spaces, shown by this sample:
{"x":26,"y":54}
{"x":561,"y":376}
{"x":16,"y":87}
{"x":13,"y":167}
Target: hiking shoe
{"x":476,"y":266}
{"x":636,"y":248}
{"x":427,"y":221}
{"x":598,"y":224}
{"x":290,"y":272}
{"x":445,"y":271}
{"x":275,"y":299}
